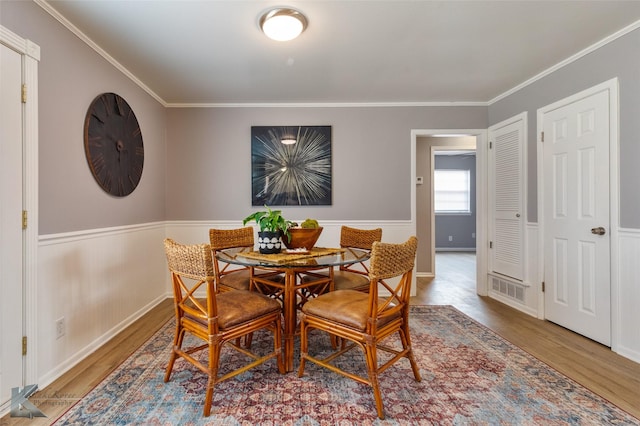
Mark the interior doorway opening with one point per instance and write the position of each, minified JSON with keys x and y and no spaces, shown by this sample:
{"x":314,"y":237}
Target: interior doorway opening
{"x":428,"y":147}
{"x":423,"y":143}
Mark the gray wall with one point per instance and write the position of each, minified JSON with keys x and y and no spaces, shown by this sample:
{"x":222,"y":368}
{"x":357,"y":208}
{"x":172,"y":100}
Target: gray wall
{"x":70,"y":76}
{"x":209,"y":152}
{"x":619,"y":58}
{"x":207,"y":163}
{"x":197,"y":160}
{"x":459,"y":227}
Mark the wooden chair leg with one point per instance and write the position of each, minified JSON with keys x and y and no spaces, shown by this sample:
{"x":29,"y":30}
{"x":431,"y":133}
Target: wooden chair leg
{"x":372,"y":369}
{"x":214,"y":362}
{"x":406,"y":342}
{"x":177,"y":343}
{"x":208,"y":399}
{"x":277,"y":345}
{"x":247,"y":340}
{"x":303,"y":346}
{"x":335,"y":340}
{"x":172,"y":359}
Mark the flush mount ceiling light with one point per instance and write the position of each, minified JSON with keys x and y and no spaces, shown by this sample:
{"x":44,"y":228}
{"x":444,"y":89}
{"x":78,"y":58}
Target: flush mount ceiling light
{"x":283,"y":24}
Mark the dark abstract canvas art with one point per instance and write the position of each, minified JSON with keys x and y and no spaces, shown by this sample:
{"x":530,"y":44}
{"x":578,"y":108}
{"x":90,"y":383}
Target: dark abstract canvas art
{"x":291,"y":165}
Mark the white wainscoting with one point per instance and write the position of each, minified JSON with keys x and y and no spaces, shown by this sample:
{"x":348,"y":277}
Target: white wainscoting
{"x":99,"y":281}
{"x":102,"y":280}
{"x":626,"y":317}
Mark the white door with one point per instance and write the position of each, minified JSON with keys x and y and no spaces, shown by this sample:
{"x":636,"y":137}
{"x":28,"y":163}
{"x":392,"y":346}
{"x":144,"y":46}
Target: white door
{"x":576,"y":215}
{"x":11,"y":245}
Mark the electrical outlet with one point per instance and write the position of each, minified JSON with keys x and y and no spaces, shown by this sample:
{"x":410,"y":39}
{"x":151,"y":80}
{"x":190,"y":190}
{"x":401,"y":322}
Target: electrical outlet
{"x":60,"y":328}
{"x":473,"y":235}
{"x":450,"y":237}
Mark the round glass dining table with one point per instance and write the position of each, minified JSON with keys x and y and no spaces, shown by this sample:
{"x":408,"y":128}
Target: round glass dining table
{"x":316,"y":266}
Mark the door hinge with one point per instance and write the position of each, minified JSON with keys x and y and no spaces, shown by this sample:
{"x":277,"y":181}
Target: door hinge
{"x":490,"y":144}
{"x":24,"y":219}
{"x":24,"y":93}
{"x":490,"y":244}
{"x":541,"y":136}
{"x":24,"y":345}
{"x":543,"y":286}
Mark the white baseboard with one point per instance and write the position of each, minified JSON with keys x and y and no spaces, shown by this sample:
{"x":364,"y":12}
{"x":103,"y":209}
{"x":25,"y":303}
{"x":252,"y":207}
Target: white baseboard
{"x":77,"y":357}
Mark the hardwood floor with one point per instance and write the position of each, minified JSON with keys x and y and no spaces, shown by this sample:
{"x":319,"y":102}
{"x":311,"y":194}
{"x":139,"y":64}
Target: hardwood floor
{"x":58,"y":397}
{"x":596,"y":367}
{"x":591,"y":364}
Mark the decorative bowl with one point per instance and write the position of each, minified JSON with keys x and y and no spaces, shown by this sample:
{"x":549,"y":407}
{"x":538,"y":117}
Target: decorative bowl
{"x":302,"y":238}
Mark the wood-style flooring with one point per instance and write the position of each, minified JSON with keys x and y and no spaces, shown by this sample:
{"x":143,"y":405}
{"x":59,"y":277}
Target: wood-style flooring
{"x":591,"y":364}
{"x":596,"y":367}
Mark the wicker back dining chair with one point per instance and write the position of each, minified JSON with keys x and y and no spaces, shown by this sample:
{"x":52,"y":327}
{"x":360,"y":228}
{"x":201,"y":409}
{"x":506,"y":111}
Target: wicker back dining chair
{"x":217,"y":319}
{"x":365,"y":320}
{"x":356,"y":275}
{"x":231,"y":277}
{"x":234,"y":277}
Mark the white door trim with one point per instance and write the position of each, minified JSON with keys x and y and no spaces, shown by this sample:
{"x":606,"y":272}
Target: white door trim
{"x":614,"y":187}
{"x":31,"y":56}
{"x":481,"y":194}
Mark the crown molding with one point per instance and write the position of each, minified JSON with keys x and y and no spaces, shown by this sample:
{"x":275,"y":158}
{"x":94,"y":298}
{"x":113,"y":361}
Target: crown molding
{"x":567,"y":61}
{"x":82,"y":36}
{"x":325,"y":105}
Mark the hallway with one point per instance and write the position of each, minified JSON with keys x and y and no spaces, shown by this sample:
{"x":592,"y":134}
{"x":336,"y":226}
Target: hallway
{"x":454,"y":284}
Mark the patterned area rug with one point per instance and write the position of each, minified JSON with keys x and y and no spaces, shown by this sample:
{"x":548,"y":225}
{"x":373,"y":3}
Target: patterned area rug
{"x":469,"y":376}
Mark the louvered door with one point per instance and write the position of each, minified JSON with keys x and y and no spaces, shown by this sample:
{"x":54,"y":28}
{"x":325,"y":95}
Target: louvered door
{"x":506,"y":197}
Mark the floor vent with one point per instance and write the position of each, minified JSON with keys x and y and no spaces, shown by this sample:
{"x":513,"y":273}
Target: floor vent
{"x":508,"y":288}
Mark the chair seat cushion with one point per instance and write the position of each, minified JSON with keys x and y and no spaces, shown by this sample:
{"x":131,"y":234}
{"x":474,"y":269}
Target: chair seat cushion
{"x":347,"y":307}
{"x":344,"y":280}
{"x":238,"y":280}
{"x":239,"y":306}
{"x":272,"y":276}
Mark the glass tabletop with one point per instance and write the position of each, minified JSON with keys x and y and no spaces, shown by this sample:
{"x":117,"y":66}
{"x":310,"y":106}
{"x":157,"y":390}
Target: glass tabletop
{"x":240,"y":256}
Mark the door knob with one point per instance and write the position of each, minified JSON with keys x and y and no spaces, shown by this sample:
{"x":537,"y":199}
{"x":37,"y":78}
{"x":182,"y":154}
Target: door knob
{"x":598,"y":231}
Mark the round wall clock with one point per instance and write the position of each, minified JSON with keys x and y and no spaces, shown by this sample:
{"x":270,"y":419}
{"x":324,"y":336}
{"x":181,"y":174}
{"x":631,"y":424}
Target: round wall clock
{"x":113,"y":144}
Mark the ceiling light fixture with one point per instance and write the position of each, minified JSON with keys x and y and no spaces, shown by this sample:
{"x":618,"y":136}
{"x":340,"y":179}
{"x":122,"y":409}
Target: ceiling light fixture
{"x":283,"y":24}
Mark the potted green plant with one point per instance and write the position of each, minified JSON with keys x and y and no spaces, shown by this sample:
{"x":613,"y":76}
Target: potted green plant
{"x":272,"y":227}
